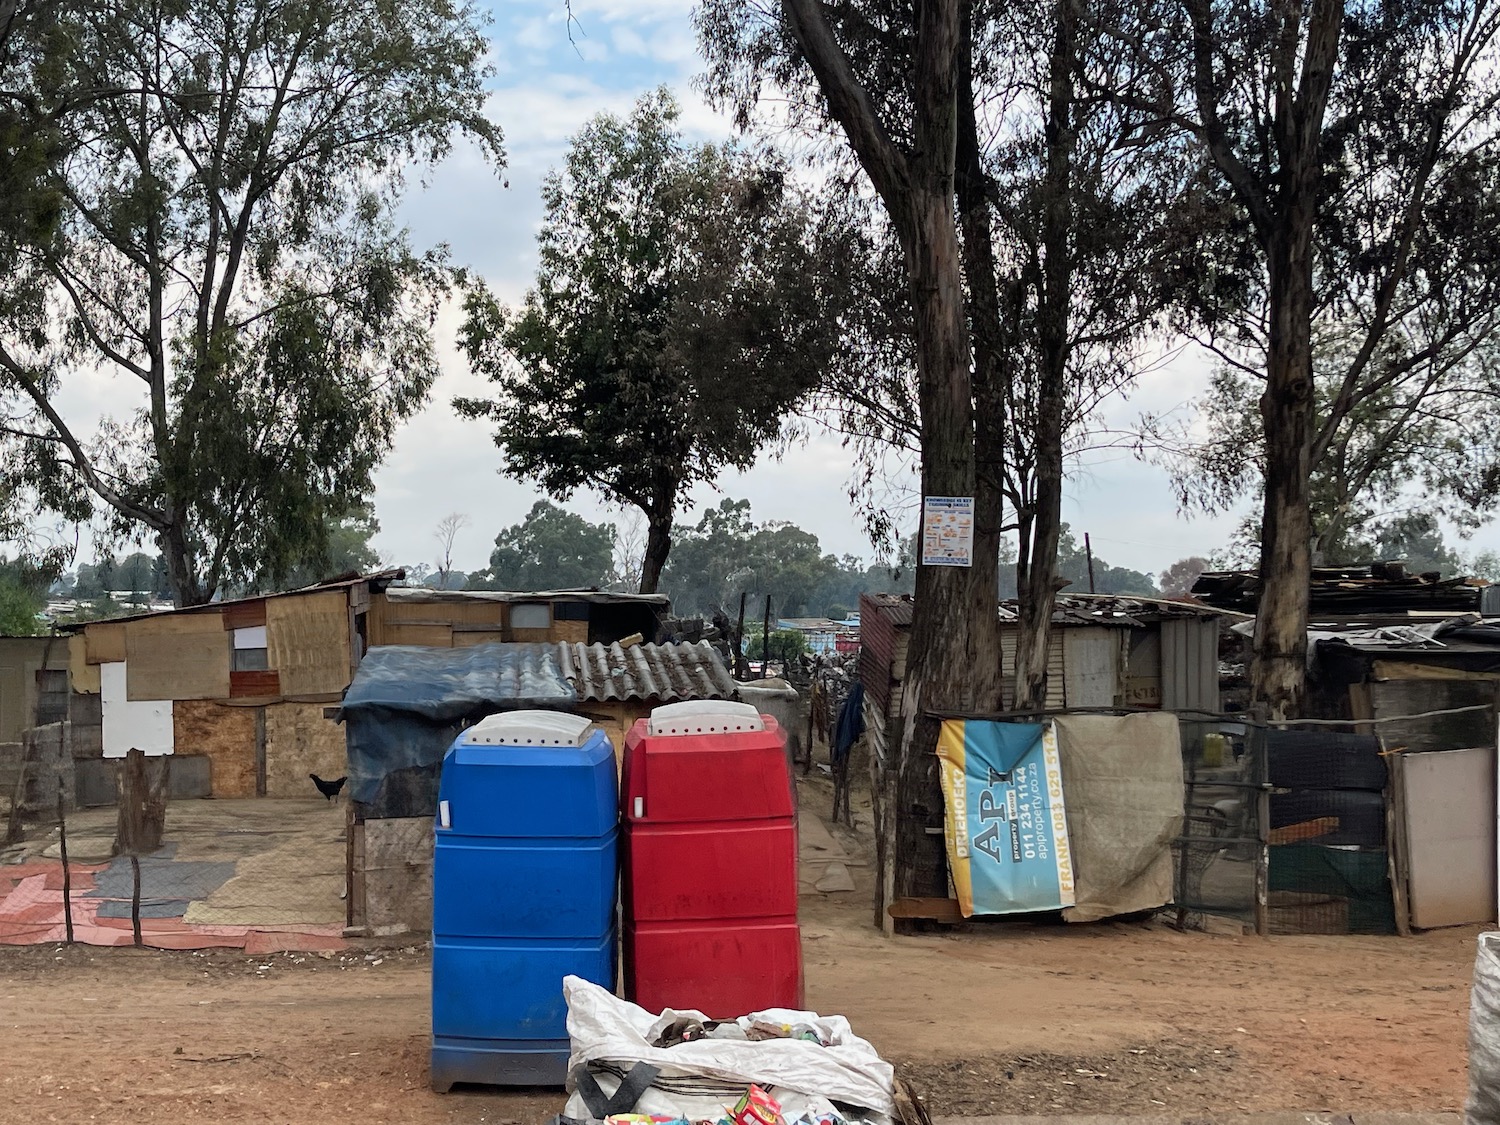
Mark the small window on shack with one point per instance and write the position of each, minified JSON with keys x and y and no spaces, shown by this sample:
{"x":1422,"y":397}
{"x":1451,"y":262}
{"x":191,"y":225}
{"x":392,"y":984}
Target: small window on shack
{"x":249,"y":651}
{"x":531,"y":615}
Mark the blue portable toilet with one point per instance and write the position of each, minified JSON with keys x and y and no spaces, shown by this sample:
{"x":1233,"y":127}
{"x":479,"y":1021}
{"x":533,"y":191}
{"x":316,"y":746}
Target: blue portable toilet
{"x":523,"y":885}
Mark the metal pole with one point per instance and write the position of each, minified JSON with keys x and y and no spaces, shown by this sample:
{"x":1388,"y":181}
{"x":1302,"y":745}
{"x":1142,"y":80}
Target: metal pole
{"x":739,"y":641}
{"x":765,"y":642}
{"x":1088,"y":549}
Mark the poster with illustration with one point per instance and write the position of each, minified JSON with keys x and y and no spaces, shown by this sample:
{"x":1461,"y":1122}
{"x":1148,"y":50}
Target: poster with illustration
{"x":948,"y":531}
{"x":1006,"y":825}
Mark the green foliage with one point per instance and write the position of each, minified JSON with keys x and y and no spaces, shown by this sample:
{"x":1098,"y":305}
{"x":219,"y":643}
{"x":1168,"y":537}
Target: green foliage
{"x":551,"y":549}
{"x":727,"y":554}
{"x":1415,"y":539}
{"x":786,"y":644}
{"x":677,"y":317}
{"x":23,"y":595}
{"x":226,"y":241}
{"x":1427,"y":441}
{"x":1072,"y":564}
{"x":347,"y":550}
{"x":1404,"y":181}
{"x":1178,"y":579}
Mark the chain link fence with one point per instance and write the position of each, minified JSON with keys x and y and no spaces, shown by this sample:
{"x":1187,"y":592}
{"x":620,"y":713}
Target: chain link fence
{"x":256,"y":874}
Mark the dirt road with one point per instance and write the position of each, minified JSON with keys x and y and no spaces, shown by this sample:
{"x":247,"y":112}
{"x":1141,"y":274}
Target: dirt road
{"x":1118,"y":1018}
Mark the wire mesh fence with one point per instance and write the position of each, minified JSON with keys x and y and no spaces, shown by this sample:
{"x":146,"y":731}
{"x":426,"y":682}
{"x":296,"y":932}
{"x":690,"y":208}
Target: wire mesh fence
{"x":1284,"y":827}
{"x":1220,"y":855}
{"x":254,"y":874}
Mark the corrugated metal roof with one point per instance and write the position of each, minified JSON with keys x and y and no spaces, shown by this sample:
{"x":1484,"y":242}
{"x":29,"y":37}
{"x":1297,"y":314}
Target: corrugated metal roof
{"x":668,"y":672}
{"x":422,"y":595}
{"x":1071,"y":609}
{"x":895,"y":608}
{"x":377,"y":579}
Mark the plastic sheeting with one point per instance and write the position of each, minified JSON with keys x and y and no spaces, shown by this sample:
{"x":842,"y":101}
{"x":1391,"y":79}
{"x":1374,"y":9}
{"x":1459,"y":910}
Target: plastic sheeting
{"x":700,"y":1078}
{"x":408,"y":703}
{"x":445,"y":684}
{"x":1484,"y":1035}
{"x":1122,"y":775}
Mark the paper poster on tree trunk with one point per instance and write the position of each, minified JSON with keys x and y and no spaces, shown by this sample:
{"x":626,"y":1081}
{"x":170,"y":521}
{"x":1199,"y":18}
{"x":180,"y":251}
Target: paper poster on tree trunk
{"x":1006,"y":827}
{"x":948,"y":531}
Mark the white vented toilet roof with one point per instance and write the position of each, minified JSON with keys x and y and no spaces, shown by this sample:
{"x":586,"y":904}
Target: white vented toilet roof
{"x":530,"y":728}
{"x":703,"y":716}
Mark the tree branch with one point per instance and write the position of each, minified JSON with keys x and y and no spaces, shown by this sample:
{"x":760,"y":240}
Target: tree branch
{"x":79,"y":459}
{"x":849,"y":103}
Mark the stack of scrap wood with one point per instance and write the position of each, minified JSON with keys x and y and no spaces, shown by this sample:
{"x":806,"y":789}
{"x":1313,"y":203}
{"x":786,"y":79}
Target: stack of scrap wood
{"x":1371,"y":588}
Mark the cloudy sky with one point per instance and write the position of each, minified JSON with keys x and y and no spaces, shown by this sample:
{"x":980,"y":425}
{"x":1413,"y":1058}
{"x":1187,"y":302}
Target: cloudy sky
{"x":545,"y":87}
{"x":544,"y":90}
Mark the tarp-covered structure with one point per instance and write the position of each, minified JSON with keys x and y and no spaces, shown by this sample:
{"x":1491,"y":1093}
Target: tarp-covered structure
{"x":407,"y":703}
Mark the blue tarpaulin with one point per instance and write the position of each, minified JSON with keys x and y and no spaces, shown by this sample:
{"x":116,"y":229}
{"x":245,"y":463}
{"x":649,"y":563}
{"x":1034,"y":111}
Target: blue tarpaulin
{"x":407,"y":704}
{"x":444,"y":684}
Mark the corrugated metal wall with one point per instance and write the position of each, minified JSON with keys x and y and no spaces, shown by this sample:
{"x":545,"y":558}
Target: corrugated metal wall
{"x":1094,"y":660}
{"x":877,"y":643}
{"x":1190,"y":664}
{"x":1057,"y":681}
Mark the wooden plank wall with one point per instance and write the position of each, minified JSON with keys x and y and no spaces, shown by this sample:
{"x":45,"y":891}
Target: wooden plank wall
{"x":300,"y":741}
{"x":105,"y":642}
{"x":83,"y":675}
{"x":436,"y":624}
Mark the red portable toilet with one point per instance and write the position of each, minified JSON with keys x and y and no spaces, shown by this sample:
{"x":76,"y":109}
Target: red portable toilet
{"x":709,"y":862}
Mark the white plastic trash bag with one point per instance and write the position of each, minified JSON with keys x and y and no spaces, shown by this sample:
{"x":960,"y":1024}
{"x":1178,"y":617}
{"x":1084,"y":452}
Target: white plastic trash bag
{"x":701,"y":1078}
{"x":1484,"y":1035}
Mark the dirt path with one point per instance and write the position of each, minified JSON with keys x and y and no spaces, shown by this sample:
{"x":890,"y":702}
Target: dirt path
{"x":1121,"y":1018}
{"x":1002,"y":1020}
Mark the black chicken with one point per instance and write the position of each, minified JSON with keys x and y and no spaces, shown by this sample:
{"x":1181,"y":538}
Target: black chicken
{"x":329,"y":789}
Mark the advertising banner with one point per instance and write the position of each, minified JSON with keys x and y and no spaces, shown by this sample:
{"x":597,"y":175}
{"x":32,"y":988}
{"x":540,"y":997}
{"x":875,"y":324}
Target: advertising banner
{"x":1006,"y":826}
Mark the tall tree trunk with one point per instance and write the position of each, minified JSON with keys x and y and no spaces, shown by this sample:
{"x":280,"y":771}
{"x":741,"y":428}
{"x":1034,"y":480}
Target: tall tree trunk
{"x":1279,"y":666}
{"x":954,"y":646}
{"x":991,"y":365}
{"x":1038,"y":594}
{"x":955,"y":626}
{"x":187,"y":590}
{"x":1278,"y":669}
{"x":658,"y":546}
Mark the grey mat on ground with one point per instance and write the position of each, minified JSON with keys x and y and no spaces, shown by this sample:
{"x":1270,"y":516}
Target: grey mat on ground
{"x":161,"y":878}
{"x":154,"y":908}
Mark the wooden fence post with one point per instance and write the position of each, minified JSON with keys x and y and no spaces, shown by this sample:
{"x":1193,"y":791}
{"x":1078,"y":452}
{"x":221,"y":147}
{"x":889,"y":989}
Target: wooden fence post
{"x":142,"y":820}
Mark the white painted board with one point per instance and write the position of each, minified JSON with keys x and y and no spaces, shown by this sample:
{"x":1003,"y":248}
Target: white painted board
{"x":1450,"y":834}
{"x":141,"y":724}
{"x":252,"y":637}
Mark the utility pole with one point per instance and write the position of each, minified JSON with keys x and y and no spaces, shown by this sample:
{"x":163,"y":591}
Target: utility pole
{"x":1088,"y":549}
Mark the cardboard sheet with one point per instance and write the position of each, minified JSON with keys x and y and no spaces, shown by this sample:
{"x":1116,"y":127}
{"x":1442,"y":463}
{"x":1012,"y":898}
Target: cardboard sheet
{"x":177,"y":656}
{"x":307,"y":642}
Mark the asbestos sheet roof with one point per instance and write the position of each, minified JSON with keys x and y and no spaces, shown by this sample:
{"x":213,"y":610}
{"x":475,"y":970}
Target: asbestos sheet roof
{"x":670,"y":672}
{"x":449,"y":684}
